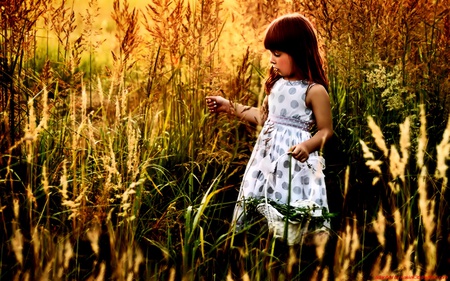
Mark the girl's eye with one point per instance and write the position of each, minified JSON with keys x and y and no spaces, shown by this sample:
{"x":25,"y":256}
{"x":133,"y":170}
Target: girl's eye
{"x":277,"y":54}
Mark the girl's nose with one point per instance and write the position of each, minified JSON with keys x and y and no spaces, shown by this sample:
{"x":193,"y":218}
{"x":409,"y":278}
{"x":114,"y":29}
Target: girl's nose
{"x":272,"y":59}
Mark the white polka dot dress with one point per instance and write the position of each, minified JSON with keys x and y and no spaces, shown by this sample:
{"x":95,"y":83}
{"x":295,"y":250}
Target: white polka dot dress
{"x":271,"y":171}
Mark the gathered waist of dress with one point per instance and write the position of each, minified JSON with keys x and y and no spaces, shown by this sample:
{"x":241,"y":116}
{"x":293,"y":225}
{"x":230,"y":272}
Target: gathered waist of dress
{"x":293,"y":122}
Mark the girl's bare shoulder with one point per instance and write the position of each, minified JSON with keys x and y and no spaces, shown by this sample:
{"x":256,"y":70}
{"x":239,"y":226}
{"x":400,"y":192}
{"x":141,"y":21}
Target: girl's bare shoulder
{"x":317,"y":93}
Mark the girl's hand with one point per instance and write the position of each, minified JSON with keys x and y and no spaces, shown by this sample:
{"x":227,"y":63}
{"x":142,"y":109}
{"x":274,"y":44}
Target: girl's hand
{"x":299,"y":152}
{"x":217,"y":104}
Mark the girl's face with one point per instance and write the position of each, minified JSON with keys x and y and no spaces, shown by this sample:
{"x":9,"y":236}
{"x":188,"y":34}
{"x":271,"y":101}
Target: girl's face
{"x":284,"y":65}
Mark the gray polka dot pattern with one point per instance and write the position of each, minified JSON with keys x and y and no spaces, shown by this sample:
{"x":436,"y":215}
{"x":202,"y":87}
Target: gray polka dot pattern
{"x":261,"y":177}
{"x":304,"y":180}
{"x":308,"y":111}
{"x":262,"y":153}
{"x":288,"y":142}
{"x":278,"y":195}
{"x":279,"y":173}
{"x":261,"y":189}
{"x":272,"y":171}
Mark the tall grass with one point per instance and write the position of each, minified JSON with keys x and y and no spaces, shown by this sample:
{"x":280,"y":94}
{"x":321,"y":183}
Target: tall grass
{"x":112,"y":169}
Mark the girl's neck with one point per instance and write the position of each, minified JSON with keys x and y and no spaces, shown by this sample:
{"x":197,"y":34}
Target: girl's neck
{"x":293,"y":77}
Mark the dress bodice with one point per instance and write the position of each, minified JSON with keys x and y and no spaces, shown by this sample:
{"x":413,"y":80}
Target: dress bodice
{"x":288,"y":100}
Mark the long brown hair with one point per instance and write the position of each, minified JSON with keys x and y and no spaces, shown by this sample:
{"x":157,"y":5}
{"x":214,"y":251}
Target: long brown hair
{"x":295,"y":35}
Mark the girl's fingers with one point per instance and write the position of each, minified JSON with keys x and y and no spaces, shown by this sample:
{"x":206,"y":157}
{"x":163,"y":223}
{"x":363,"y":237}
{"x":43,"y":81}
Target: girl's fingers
{"x":293,"y":151}
{"x":298,"y":153}
{"x":212,"y":104}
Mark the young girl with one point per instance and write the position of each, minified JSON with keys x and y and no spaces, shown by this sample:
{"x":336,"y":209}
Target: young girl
{"x":296,"y":105}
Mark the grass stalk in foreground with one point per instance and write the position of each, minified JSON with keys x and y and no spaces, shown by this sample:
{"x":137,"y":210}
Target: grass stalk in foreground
{"x":412,"y":239}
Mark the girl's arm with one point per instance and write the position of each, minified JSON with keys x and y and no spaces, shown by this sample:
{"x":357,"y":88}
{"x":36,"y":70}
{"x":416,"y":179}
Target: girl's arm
{"x":318,"y":100}
{"x":217,"y":104}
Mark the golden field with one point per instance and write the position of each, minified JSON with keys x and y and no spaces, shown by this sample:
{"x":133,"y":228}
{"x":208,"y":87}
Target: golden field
{"x":111,"y":167}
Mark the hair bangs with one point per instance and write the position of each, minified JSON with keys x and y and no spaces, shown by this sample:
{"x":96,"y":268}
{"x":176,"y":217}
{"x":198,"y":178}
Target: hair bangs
{"x":275,"y":39}
{"x":283,"y":35}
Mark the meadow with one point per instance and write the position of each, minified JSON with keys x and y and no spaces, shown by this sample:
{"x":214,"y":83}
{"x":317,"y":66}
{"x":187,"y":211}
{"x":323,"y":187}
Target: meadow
{"x":112,"y":168}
